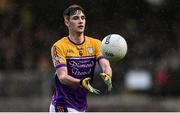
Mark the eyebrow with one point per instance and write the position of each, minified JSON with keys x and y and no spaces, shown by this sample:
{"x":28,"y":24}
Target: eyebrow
{"x":77,"y":15}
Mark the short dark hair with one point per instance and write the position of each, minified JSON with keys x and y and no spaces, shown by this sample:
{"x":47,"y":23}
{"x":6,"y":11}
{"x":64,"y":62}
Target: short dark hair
{"x":71,"y":10}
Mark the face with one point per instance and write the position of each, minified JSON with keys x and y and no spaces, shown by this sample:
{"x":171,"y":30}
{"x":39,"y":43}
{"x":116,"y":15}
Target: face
{"x":76,"y":23}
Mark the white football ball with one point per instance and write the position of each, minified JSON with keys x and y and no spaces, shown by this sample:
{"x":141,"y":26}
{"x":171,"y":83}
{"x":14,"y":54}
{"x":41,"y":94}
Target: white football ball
{"x":114,"y":47}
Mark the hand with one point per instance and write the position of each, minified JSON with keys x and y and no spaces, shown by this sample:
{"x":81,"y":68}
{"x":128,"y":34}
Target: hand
{"x":107,"y":80}
{"x":86,"y":85}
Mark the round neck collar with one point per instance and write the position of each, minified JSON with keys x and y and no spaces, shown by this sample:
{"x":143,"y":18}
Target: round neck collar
{"x":75,"y":42}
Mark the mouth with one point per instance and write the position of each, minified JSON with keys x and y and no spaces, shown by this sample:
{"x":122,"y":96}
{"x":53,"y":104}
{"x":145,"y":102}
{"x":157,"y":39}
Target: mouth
{"x":81,"y":26}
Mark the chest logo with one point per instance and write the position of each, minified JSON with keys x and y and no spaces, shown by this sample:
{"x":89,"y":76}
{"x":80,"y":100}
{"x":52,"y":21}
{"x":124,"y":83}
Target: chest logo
{"x":70,"y":51}
{"x":90,"y":50}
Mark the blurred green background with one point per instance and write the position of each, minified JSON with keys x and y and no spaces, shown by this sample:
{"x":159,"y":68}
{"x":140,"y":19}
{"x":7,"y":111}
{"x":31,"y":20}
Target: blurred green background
{"x":147,"y":79}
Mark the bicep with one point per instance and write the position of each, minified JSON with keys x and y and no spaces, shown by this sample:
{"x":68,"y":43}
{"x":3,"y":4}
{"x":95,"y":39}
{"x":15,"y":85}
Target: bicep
{"x":61,"y":71}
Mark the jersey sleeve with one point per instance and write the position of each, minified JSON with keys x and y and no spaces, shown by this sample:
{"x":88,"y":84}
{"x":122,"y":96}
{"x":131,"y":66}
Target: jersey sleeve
{"x":58,"y":56}
{"x":99,"y":54}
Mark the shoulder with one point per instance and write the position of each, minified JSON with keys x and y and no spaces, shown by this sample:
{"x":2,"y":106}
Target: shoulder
{"x":93,"y":39}
{"x":60,"y":42}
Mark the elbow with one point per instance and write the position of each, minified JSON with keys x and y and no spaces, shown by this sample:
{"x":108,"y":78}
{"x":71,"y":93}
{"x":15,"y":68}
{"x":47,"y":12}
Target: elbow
{"x":62,"y":78}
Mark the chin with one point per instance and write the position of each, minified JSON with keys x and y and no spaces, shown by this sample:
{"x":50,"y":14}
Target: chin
{"x":80,"y":32}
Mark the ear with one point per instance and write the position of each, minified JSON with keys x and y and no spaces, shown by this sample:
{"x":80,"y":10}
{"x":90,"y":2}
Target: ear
{"x":66,"y":22}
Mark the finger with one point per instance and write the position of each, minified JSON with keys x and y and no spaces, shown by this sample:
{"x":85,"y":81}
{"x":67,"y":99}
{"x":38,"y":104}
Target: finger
{"x":108,"y":81}
{"x":93,"y":90}
{"x":102,"y":74}
{"x":109,"y":87}
{"x":90,"y":88}
{"x":88,"y":79}
{"x":96,"y":91}
{"x":107,"y":78}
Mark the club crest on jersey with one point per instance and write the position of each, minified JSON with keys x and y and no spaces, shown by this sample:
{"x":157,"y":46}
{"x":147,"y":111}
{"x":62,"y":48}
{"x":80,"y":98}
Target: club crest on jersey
{"x":90,"y":50}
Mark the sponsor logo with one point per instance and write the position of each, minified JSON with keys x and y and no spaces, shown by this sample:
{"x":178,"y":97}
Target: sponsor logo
{"x":70,"y":51}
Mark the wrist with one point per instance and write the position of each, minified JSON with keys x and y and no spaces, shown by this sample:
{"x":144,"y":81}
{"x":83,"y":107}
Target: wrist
{"x":109,"y":75}
{"x":105,"y":74}
{"x":80,"y":82}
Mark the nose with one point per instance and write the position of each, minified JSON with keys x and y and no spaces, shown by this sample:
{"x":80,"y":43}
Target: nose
{"x":80,"y":19}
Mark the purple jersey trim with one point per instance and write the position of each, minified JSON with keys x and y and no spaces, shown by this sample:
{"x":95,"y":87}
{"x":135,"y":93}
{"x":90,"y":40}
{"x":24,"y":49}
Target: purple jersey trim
{"x":85,"y":57}
{"x":60,"y":65}
{"x":99,"y":58}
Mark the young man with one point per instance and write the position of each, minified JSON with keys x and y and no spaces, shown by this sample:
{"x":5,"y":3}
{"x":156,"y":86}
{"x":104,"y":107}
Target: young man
{"x":74,"y":58}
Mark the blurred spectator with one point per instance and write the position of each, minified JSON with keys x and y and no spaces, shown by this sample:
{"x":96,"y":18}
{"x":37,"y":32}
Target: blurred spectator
{"x":6,"y":6}
{"x":162,"y":78}
{"x":26,"y":17}
{"x":167,"y":74}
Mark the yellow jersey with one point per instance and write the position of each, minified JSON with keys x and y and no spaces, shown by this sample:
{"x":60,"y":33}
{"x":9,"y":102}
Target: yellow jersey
{"x":80,"y":59}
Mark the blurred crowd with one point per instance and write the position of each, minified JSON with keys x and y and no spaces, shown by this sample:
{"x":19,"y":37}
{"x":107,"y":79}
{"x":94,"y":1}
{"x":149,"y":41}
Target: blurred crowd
{"x":152,"y":34}
{"x":22,"y":46}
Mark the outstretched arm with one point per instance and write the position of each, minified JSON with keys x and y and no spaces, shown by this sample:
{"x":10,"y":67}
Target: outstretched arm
{"x":106,"y":68}
{"x":66,"y":79}
{"x":106,"y":73}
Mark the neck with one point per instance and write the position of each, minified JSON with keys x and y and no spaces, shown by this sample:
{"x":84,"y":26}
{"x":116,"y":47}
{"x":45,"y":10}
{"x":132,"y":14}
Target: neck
{"x":76,"y":38}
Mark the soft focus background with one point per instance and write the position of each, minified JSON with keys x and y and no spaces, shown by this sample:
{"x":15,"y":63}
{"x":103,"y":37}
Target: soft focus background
{"x":147,"y":79}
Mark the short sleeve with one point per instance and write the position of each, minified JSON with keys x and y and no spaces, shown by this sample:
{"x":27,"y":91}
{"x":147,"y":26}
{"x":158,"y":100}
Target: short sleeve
{"x":58,"y":56}
{"x":99,"y":54}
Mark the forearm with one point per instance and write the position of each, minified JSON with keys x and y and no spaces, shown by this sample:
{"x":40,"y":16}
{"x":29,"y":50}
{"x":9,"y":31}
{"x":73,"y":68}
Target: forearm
{"x":106,"y":68}
{"x":73,"y":82}
{"x":68,"y":80}
{"x":106,"y":73}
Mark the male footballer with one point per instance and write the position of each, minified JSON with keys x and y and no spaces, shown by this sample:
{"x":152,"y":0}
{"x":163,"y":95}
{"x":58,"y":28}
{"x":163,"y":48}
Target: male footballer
{"x":74,"y":58}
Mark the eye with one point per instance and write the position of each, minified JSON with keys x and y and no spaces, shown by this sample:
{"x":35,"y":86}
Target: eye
{"x":75,"y":18}
{"x":83,"y":17}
